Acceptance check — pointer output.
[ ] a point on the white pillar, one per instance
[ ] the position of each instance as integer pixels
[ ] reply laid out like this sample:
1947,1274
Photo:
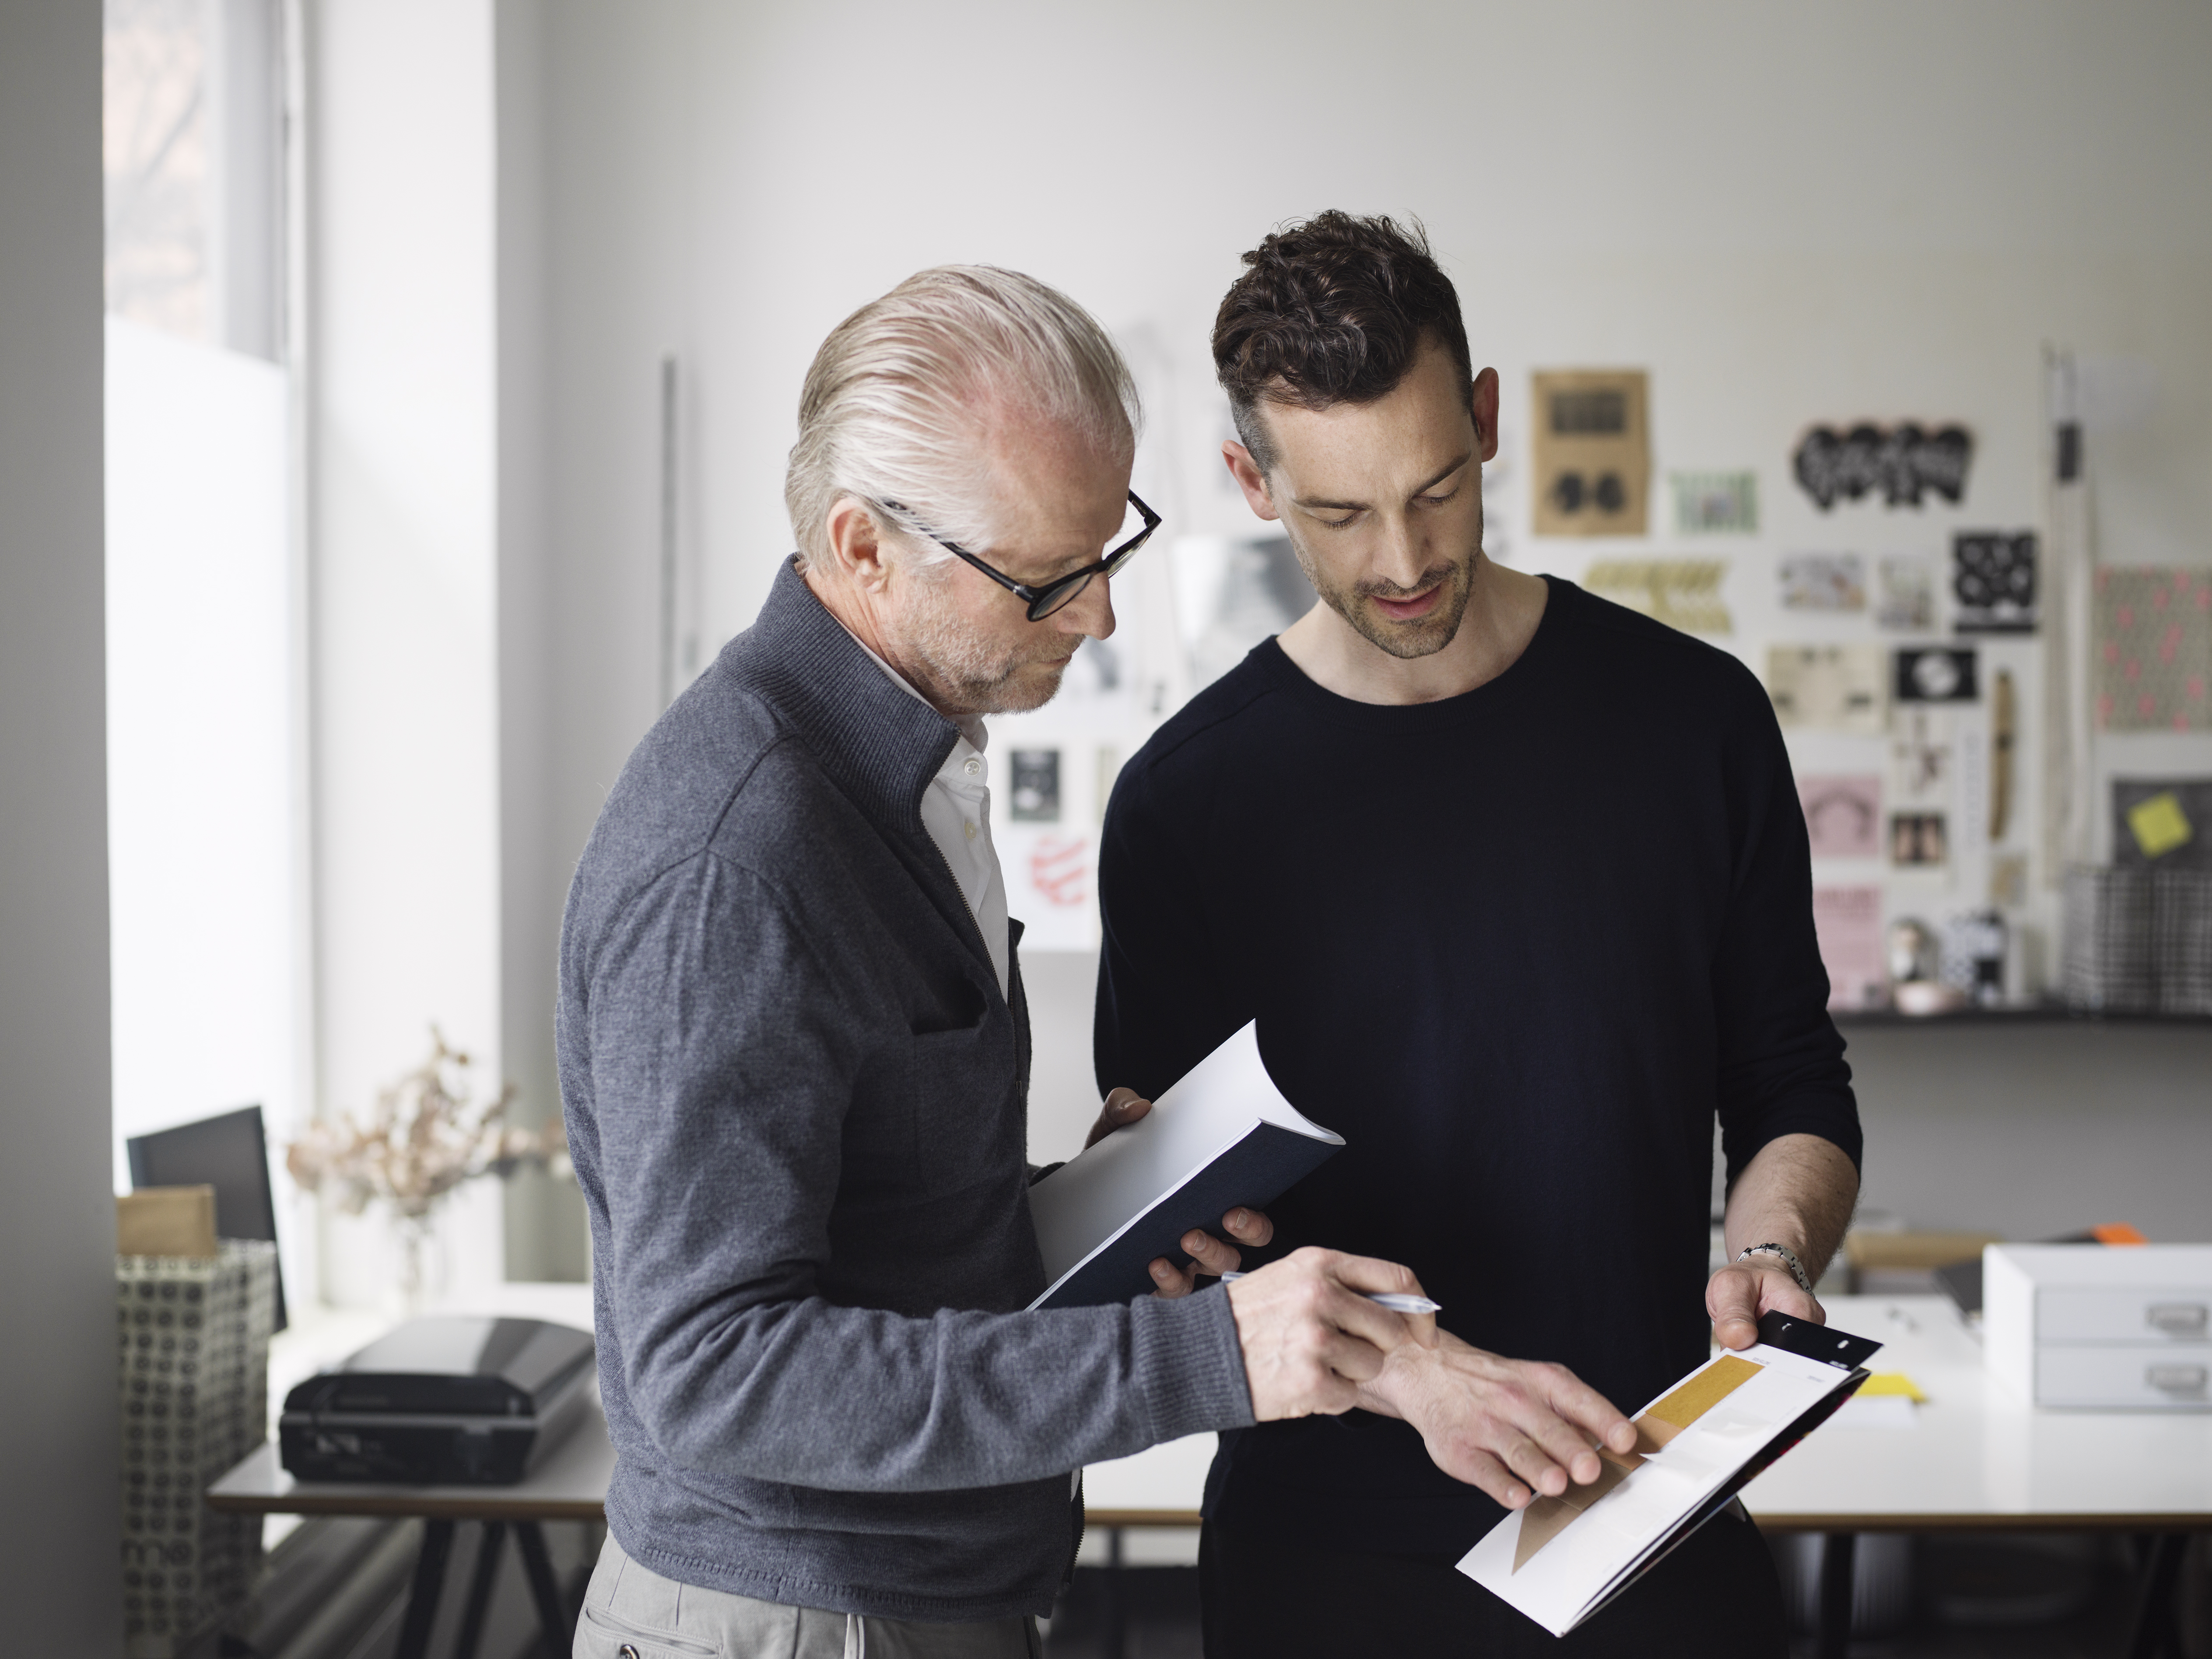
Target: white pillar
58,1565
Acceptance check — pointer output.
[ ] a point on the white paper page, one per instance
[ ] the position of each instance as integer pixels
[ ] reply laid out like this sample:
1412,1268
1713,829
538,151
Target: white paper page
1574,1566
1081,1205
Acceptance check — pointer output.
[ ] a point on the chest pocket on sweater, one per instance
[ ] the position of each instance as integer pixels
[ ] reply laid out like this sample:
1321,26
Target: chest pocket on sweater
967,1127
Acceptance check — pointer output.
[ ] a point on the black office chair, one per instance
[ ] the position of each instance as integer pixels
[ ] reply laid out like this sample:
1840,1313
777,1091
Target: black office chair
229,1153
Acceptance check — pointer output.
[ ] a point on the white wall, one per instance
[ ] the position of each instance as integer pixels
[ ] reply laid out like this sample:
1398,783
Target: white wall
404,574
59,1535
1787,215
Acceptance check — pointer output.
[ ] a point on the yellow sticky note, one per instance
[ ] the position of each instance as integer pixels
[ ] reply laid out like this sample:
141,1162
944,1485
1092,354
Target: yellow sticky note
2160,824
1891,1382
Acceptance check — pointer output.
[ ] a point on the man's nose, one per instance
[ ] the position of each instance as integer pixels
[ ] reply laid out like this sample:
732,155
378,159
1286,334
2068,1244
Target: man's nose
1400,558
1090,611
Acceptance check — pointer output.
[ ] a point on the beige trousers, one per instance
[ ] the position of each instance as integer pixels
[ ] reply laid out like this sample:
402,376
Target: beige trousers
631,1612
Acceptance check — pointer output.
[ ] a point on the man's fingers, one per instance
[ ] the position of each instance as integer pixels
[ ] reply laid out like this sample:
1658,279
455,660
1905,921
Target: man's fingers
1212,1255
1482,1470
1587,1410
1248,1226
1733,1301
1169,1281
1122,1107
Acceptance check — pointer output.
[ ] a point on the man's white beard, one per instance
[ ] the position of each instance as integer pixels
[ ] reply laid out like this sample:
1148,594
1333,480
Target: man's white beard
967,675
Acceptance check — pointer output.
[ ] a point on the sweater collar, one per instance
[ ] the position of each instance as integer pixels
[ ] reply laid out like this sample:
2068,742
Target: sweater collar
881,742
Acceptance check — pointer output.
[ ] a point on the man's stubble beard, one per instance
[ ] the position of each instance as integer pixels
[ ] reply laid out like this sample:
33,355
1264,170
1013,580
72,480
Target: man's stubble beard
1406,640
967,675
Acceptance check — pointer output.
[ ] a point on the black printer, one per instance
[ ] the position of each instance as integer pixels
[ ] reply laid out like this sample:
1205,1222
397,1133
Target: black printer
446,1402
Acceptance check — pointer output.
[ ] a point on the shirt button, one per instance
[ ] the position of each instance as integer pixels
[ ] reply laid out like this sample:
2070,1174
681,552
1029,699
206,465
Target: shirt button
970,827
974,767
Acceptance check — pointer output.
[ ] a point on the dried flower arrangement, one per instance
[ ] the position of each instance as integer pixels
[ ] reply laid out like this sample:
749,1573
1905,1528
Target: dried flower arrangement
428,1133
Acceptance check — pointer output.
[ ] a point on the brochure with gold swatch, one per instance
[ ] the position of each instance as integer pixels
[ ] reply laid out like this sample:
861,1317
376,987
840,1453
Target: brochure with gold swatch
1562,1558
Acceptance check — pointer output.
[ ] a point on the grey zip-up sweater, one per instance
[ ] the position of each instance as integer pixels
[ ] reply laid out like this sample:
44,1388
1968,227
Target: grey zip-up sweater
796,1100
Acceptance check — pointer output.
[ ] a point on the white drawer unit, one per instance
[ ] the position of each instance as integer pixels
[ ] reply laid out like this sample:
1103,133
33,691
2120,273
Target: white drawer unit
2100,1326
2123,1375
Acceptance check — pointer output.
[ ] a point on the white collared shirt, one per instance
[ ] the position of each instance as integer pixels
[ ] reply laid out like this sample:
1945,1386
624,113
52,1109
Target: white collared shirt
956,810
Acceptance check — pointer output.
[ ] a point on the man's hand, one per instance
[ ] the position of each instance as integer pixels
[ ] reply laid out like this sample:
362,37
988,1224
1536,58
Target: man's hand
1309,1336
1513,1427
1209,1255
1739,1293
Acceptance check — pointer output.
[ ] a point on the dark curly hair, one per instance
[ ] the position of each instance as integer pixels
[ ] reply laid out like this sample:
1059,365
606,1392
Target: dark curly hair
1328,310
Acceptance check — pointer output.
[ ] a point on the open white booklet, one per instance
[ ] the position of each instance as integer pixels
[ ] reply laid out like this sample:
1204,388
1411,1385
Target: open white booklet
1562,1558
1223,1136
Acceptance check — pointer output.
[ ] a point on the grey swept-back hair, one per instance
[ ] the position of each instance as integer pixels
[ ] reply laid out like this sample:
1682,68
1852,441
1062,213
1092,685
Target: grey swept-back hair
894,406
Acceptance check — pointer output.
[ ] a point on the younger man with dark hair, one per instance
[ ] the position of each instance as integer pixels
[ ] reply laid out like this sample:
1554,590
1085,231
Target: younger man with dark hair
1517,885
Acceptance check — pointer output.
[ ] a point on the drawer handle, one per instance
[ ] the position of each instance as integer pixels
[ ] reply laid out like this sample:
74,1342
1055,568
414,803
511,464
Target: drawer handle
2178,1318
2176,1379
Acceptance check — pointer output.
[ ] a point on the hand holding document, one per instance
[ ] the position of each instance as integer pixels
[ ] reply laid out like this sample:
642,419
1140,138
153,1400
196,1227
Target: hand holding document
1223,1136
1562,1558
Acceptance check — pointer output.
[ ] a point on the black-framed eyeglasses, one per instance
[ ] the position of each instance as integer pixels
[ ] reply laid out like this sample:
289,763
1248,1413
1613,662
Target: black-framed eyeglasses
1043,601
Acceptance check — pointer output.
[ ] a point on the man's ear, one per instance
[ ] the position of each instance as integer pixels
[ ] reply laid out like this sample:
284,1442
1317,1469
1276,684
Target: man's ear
855,547
1482,401
1249,479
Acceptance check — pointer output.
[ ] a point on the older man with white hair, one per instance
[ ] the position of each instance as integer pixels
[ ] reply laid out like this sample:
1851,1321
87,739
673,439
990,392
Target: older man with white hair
794,1052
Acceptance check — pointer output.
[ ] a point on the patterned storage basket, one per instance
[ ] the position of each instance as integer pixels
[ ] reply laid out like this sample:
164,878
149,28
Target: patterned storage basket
2108,961
2181,931
192,1337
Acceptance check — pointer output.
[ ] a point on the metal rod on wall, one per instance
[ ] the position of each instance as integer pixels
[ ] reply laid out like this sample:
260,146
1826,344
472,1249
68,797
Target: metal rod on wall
668,536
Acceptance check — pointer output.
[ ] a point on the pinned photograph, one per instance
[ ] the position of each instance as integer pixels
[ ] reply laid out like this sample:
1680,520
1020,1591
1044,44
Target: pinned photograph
1993,581
1940,673
1904,594
1036,797
1684,593
1919,840
1716,503
1823,581
1843,815
1832,688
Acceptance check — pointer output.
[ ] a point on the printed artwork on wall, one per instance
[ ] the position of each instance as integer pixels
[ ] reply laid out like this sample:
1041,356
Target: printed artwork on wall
1936,674
1823,581
1905,594
1834,687
1993,581
1847,921
1923,756
1684,593
1593,456
1843,815
1036,786
1904,465
1716,503
2152,639
1919,840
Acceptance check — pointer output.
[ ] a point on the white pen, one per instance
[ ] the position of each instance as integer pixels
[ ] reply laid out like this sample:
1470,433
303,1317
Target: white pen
1395,1301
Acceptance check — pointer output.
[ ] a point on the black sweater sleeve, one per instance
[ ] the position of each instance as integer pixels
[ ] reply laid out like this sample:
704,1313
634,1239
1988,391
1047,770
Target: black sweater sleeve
1781,1059
1167,996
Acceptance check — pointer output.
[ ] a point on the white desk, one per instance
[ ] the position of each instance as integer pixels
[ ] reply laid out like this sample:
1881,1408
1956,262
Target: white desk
1972,1457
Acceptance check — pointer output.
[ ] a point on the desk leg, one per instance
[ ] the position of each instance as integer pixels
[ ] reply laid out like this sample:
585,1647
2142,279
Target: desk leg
480,1584
1113,1617
423,1598
552,1619
2153,1627
1838,1558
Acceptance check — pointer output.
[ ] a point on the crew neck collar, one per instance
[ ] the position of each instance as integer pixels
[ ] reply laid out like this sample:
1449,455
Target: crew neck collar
1492,695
